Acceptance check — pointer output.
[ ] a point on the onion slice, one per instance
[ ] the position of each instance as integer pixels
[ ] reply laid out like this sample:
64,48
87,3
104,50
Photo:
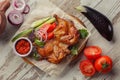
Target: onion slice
19,5
39,34
26,9
15,18
44,32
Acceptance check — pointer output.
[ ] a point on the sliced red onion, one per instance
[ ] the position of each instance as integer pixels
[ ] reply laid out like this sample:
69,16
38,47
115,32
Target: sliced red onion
19,5
26,9
44,33
39,33
15,18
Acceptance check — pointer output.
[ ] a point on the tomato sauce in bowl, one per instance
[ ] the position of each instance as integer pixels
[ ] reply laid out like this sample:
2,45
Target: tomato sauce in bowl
22,47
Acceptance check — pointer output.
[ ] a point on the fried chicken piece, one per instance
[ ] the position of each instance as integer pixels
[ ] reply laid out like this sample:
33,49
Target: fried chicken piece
60,51
61,28
54,51
69,32
72,37
46,50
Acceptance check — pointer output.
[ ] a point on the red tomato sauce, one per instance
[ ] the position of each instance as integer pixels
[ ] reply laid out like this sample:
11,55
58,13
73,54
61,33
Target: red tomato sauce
22,46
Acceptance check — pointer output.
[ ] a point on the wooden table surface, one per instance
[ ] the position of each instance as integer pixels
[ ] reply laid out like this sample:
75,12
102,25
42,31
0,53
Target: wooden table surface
13,67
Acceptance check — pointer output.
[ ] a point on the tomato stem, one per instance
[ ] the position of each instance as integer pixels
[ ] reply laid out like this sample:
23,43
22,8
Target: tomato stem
105,65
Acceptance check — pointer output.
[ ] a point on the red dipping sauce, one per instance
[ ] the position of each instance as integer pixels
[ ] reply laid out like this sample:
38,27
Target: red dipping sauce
22,46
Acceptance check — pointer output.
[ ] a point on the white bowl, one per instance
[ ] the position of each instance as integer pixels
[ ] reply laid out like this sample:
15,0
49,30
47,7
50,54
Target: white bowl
22,55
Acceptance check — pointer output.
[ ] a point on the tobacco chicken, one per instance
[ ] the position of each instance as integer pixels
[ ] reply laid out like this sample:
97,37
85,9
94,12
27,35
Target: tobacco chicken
57,47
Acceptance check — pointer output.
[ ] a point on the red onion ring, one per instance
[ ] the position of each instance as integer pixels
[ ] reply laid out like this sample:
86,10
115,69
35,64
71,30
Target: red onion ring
44,33
15,17
19,5
39,33
26,9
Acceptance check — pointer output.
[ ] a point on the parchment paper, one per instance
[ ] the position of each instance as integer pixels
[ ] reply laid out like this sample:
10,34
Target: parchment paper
43,9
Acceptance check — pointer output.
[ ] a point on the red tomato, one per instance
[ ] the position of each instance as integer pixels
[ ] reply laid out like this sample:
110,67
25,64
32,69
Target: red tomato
50,35
49,29
45,27
103,64
87,68
92,52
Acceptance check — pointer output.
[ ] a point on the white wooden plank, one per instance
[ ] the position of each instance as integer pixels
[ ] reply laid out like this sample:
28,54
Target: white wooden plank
13,66
20,72
31,75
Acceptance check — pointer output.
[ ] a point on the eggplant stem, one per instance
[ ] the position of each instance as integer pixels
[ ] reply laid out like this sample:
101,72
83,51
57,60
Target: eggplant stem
81,8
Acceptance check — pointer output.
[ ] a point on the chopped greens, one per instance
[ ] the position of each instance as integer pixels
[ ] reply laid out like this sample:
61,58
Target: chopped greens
74,50
39,43
83,33
36,56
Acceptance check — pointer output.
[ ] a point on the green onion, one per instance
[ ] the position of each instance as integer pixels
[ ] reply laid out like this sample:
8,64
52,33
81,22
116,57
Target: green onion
51,20
39,22
24,33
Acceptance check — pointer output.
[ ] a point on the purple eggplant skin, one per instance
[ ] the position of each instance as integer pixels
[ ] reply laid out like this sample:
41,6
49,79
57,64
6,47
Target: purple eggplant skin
100,22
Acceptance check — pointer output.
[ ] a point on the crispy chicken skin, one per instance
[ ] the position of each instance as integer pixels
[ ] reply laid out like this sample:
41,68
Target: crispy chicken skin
72,36
62,27
65,35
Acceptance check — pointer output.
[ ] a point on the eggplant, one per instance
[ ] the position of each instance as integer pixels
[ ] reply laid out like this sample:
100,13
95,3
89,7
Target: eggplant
99,21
